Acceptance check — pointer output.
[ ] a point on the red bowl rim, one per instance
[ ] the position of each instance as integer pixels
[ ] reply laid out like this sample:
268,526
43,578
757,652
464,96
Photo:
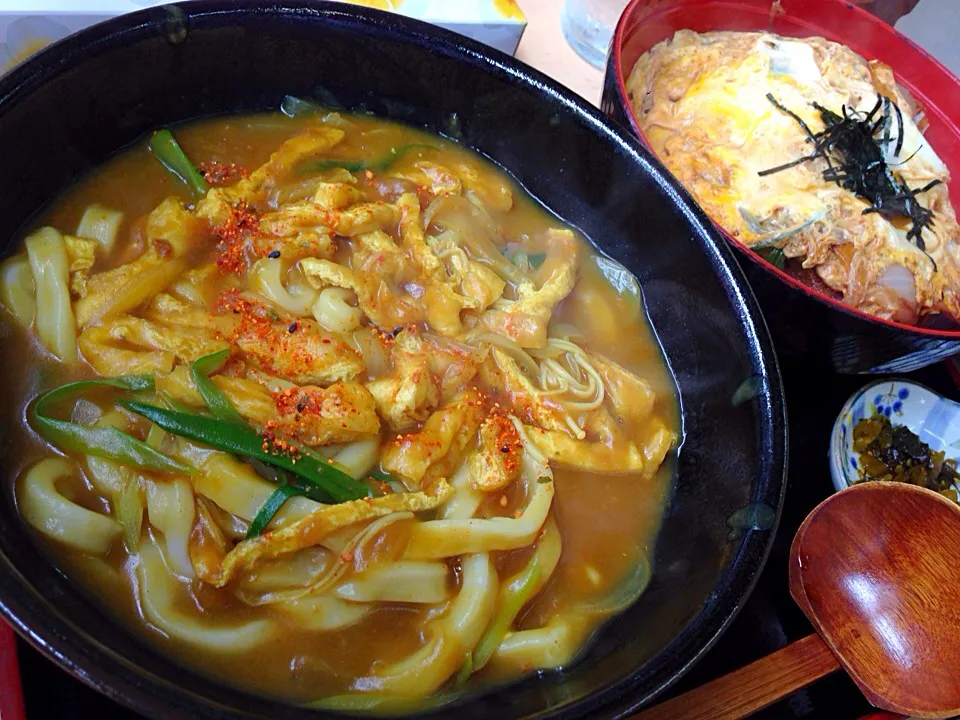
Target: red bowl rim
620,77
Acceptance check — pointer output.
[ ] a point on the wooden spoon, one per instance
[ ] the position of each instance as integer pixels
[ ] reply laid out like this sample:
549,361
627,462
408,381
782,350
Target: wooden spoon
876,570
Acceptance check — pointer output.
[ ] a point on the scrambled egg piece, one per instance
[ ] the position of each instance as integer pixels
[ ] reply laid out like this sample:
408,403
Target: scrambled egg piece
411,392
249,397
496,463
166,308
356,220
478,283
336,195
109,358
81,254
187,344
171,228
622,456
702,101
218,204
313,358
299,351
125,287
525,320
170,231
453,364
375,297
442,301
437,449
342,412
312,529
632,397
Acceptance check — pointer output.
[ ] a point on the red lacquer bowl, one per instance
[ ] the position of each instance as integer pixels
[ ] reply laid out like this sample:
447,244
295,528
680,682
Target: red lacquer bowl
803,321
11,699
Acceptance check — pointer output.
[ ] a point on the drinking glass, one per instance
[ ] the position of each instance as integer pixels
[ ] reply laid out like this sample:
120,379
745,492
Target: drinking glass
588,26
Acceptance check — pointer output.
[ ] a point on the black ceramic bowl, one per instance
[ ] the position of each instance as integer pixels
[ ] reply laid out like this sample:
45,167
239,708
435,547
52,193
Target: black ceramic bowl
69,108
827,334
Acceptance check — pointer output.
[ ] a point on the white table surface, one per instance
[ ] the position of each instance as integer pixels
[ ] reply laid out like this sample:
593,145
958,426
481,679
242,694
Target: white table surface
544,47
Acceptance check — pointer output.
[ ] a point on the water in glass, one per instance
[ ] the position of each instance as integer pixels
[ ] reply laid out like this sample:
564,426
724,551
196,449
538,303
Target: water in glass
588,26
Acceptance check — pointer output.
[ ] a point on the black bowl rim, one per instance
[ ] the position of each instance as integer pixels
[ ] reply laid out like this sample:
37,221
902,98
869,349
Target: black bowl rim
615,61
109,673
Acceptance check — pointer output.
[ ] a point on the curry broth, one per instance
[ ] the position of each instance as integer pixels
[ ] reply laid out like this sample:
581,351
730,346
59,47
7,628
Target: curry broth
608,523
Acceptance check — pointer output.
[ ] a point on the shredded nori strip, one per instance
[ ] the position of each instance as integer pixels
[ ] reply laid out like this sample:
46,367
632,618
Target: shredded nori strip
852,145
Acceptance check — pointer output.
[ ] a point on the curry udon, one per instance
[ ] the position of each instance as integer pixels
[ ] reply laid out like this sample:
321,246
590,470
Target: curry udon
365,420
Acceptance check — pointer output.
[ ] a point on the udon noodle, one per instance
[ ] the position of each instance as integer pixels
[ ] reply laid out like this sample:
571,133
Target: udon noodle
343,417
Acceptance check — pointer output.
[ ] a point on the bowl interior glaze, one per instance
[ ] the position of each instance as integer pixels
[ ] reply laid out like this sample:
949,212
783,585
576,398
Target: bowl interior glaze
73,105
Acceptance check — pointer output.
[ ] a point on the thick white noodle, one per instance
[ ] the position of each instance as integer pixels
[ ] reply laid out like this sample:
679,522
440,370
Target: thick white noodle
17,289
101,224
450,537
158,589
267,278
54,320
171,510
44,507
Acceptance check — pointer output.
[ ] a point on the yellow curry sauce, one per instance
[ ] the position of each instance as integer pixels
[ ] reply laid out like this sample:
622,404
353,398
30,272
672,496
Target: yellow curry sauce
606,522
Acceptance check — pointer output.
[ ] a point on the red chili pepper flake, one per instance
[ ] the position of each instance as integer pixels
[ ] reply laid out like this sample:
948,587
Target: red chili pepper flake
254,318
220,173
307,402
425,196
163,247
276,445
232,238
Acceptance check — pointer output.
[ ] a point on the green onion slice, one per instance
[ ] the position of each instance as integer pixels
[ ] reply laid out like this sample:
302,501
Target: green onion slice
320,480
105,442
520,590
213,396
270,508
166,149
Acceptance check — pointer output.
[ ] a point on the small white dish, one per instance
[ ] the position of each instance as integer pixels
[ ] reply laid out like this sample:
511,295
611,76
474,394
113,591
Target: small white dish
934,418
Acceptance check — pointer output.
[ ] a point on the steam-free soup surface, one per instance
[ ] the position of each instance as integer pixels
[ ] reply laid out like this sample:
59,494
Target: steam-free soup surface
496,413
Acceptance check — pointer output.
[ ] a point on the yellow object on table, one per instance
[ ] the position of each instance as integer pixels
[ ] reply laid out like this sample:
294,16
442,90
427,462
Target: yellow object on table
26,26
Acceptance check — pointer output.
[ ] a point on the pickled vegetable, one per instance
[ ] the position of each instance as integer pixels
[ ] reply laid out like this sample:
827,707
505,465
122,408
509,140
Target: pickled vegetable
895,453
